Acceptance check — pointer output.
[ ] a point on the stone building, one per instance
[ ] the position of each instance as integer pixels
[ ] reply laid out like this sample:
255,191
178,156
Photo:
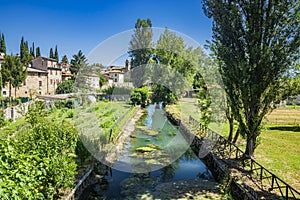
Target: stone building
53,68
34,84
118,74
43,76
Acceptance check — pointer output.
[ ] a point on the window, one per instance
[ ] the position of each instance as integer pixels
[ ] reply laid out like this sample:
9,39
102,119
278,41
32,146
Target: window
56,72
39,74
51,81
50,71
40,83
24,82
116,75
4,93
25,92
116,80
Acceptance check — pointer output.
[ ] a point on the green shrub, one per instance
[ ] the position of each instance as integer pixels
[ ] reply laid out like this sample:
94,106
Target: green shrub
39,163
70,114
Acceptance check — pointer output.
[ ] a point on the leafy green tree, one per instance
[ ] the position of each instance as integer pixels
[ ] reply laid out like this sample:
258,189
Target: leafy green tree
102,80
2,44
177,62
255,43
13,72
139,96
56,54
65,87
163,94
51,53
64,59
140,44
77,62
38,52
135,98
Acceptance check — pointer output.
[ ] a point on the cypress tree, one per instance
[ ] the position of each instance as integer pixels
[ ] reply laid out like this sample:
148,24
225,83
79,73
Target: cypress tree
56,54
2,44
32,49
65,59
38,52
26,47
51,53
22,47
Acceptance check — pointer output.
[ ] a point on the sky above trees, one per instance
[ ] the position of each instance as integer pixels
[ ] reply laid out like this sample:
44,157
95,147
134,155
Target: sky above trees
74,25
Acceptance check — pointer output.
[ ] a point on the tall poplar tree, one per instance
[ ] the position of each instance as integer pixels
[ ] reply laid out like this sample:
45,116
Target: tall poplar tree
255,42
140,44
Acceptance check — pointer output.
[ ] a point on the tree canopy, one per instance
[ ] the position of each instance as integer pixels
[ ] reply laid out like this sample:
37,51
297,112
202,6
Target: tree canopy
65,59
65,87
51,55
56,54
2,44
255,43
77,61
24,52
13,72
141,43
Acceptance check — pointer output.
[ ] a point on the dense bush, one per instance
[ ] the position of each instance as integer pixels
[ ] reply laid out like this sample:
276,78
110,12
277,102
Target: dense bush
163,94
139,96
66,87
39,163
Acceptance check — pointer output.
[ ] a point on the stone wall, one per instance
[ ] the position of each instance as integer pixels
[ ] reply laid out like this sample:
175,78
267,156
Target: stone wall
15,112
220,173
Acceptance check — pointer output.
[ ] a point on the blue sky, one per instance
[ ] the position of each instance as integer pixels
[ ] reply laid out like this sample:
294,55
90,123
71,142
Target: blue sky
82,25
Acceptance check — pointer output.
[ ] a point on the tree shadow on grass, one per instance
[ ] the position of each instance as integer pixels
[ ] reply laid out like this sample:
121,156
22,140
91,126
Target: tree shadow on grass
286,128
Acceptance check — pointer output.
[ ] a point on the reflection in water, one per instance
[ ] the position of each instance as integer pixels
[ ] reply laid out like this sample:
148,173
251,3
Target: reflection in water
154,141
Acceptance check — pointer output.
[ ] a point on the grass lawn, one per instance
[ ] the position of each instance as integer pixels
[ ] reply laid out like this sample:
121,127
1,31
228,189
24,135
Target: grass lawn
279,152
279,148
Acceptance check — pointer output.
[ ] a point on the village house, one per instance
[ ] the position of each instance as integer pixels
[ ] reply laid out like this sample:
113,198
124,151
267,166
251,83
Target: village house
117,75
53,68
43,76
93,82
66,72
34,84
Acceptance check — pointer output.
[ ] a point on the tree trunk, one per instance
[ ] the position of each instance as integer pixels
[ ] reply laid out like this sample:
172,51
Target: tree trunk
230,119
251,144
237,133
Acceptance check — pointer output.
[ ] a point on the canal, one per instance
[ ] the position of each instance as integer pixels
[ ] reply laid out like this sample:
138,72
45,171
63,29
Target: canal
154,156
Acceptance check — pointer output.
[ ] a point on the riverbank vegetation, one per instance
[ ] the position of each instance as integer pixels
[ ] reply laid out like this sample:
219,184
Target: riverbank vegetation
42,154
